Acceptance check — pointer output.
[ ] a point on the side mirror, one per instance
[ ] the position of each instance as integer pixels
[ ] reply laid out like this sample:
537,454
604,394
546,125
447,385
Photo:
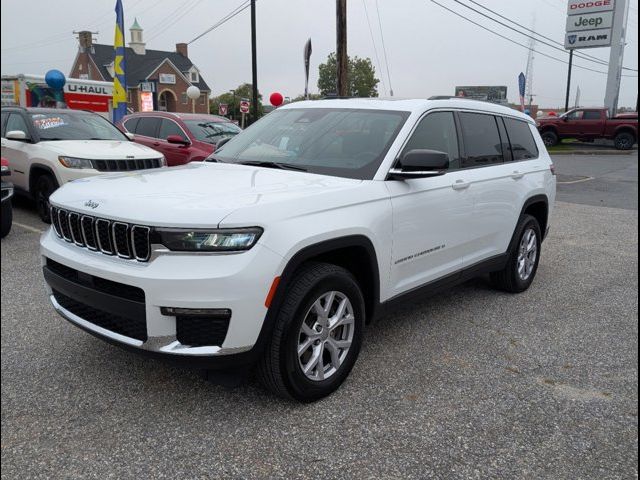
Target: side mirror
420,164
177,140
17,135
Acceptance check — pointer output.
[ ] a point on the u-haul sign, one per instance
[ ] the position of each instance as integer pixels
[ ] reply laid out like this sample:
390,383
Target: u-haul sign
590,21
577,7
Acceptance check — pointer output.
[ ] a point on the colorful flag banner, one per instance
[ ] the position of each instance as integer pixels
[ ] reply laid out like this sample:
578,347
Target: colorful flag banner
119,67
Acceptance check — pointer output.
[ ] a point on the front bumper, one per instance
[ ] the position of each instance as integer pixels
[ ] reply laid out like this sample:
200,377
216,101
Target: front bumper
237,282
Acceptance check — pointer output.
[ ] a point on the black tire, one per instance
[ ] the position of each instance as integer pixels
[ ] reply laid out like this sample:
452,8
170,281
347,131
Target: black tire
550,138
509,279
624,141
44,186
279,369
7,218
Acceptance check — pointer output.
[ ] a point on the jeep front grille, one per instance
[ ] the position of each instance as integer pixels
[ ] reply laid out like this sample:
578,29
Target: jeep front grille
103,235
126,165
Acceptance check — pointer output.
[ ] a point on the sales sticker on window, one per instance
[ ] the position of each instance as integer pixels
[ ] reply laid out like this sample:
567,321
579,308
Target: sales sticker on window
48,122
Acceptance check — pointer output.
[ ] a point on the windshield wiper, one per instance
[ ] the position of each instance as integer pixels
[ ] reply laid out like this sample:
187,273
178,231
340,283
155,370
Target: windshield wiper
279,165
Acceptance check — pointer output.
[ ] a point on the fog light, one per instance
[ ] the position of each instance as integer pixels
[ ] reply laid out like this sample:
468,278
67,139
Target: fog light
196,312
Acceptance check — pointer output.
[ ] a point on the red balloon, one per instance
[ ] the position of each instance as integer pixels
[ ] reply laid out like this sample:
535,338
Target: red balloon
276,99
553,114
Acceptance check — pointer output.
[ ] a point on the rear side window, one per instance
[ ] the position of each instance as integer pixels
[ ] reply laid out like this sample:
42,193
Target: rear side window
148,126
592,115
437,131
131,124
481,140
523,144
169,127
5,115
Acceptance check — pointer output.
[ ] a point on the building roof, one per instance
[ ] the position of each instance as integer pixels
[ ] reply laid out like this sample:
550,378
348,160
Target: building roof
139,67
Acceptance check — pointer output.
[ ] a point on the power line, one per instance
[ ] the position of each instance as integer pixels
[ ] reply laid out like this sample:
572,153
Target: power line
373,41
518,43
561,49
384,49
239,9
175,15
534,32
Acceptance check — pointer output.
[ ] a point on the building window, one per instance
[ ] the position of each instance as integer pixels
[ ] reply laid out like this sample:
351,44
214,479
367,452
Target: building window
203,99
185,99
195,78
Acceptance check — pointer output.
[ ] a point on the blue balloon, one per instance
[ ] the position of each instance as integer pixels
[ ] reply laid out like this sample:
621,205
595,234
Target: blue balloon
527,112
55,79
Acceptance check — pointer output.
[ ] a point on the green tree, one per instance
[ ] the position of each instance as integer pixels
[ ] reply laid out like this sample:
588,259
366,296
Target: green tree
244,91
362,77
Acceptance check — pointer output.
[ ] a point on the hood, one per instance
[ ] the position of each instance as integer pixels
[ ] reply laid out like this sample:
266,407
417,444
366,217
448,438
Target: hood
100,149
194,195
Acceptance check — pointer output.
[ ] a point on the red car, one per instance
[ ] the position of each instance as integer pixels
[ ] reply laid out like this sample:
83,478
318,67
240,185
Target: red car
181,137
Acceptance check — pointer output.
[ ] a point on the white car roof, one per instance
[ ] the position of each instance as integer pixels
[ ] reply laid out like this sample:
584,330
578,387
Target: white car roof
410,105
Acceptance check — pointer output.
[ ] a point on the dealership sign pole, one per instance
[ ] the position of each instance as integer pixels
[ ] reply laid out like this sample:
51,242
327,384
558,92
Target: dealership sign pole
612,95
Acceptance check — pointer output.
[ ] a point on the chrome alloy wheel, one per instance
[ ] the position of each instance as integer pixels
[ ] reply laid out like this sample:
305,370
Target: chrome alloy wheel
527,254
325,336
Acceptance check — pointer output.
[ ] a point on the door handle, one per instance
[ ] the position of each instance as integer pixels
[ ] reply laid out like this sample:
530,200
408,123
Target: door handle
461,185
516,175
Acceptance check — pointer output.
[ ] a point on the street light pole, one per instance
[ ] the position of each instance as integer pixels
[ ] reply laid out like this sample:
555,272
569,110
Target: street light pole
341,50
254,62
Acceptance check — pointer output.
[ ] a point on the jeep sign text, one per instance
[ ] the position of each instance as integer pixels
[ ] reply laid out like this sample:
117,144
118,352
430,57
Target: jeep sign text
591,21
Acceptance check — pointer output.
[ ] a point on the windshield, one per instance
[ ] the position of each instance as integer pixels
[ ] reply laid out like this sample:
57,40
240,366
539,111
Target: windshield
341,142
212,132
65,125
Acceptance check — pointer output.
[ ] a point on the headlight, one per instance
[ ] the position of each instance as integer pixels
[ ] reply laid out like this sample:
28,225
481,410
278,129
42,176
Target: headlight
163,161
224,240
71,162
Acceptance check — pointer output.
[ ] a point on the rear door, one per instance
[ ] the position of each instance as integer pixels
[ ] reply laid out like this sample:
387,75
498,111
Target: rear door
494,185
592,124
430,215
146,132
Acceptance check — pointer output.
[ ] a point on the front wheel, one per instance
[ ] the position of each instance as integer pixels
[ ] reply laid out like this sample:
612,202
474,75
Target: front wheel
624,141
550,138
317,335
524,257
45,185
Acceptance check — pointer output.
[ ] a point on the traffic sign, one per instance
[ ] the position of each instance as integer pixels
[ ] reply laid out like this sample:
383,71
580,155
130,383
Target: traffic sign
245,106
223,109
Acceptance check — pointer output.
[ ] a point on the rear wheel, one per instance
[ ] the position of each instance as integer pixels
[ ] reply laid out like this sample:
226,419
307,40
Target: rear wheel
7,218
44,186
317,336
624,141
524,257
550,138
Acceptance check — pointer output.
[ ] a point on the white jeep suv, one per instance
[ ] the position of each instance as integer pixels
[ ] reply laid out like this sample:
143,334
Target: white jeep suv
49,147
299,232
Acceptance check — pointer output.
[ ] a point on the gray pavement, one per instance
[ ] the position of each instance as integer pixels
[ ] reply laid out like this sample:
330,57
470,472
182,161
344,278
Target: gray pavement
599,180
472,383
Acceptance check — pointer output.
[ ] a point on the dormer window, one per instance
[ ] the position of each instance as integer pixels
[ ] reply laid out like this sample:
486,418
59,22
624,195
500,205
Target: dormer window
111,69
194,76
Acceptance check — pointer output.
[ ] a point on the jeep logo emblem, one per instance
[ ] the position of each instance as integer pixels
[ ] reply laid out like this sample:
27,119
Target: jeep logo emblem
91,204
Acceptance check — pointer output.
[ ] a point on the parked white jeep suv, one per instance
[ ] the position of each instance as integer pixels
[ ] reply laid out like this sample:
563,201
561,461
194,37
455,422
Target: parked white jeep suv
49,147
279,249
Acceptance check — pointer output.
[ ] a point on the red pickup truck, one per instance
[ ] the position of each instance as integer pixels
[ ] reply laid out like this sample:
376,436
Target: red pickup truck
587,124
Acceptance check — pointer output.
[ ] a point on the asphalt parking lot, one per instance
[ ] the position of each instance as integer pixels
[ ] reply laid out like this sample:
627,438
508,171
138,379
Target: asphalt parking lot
472,383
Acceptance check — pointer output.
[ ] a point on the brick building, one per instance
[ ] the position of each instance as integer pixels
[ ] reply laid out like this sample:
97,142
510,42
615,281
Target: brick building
167,74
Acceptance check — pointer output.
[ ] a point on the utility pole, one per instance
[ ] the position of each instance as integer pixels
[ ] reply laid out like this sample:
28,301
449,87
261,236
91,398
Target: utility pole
341,50
619,34
566,102
254,61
